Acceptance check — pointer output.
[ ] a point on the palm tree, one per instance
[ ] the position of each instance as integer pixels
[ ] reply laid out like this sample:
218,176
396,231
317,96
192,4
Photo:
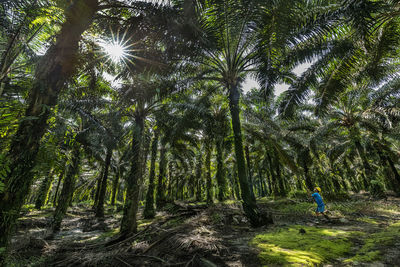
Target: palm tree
53,70
250,37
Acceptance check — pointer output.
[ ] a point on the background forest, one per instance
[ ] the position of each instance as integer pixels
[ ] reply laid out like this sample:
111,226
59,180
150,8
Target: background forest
128,106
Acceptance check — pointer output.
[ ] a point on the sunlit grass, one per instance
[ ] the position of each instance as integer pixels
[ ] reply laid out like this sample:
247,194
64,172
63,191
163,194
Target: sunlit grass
289,247
375,243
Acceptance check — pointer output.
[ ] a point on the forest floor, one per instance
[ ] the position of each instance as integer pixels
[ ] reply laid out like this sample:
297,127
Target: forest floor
361,232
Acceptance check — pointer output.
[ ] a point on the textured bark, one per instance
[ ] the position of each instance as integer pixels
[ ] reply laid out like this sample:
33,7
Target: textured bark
115,187
249,171
235,183
307,177
68,189
282,191
98,187
273,181
56,66
133,179
220,175
103,185
249,204
149,211
57,188
44,190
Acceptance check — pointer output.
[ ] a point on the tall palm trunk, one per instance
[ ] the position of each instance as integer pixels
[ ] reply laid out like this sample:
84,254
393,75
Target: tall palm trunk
115,187
160,196
208,146
221,180
44,190
149,211
273,181
282,191
199,180
129,223
249,171
249,204
309,183
68,189
98,187
56,66
103,185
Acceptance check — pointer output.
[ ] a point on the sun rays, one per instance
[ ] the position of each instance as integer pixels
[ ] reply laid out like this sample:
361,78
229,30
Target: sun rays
119,49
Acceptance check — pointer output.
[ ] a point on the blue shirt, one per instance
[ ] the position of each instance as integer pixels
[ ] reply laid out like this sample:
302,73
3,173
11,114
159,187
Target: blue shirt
317,197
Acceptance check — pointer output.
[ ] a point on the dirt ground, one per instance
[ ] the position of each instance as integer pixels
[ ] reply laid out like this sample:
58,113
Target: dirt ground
360,232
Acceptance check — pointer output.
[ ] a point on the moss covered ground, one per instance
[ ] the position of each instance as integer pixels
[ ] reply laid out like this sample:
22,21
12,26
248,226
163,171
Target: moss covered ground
360,232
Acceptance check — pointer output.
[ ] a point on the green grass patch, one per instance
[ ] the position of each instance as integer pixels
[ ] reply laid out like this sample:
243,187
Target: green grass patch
376,243
286,246
368,220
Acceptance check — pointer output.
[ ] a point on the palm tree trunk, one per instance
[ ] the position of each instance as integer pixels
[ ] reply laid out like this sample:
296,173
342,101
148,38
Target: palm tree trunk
385,158
160,196
367,167
307,177
115,187
56,66
199,180
129,223
68,189
98,187
221,180
249,204
170,179
209,198
57,188
149,211
235,182
103,185
249,171
273,181
44,190
282,191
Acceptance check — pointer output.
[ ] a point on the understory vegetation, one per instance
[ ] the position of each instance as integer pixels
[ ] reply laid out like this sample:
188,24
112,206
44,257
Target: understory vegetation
193,132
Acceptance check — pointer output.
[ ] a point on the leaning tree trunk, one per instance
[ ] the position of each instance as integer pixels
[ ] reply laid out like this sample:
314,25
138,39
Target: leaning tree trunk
220,175
103,185
44,190
57,188
209,198
68,189
56,66
160,195
149,211
249,204
133,179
